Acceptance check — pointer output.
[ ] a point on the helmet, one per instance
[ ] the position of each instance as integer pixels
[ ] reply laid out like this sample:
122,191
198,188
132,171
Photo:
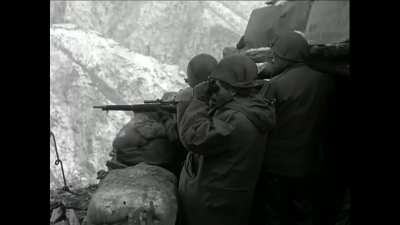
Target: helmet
199,68
237,70
291,46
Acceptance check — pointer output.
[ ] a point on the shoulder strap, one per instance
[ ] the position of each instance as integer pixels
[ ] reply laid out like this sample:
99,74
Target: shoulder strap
265,91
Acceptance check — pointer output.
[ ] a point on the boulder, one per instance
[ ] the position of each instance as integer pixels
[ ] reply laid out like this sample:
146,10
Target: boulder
328,22
125,194
266,22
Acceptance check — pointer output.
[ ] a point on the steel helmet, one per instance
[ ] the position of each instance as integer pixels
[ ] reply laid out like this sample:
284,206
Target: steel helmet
199,68
291,46
237,70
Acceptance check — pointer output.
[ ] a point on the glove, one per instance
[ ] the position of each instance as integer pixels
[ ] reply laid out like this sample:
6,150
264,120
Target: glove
200,91
184,95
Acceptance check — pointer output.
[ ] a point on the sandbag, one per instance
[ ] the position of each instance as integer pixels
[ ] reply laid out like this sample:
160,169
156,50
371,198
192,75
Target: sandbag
124,194
137,131
328,22
144,139
158,151
128,136
259,55
331,59
266,22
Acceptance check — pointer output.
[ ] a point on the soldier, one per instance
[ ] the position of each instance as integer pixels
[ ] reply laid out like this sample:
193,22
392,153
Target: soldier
293,157
198,70
224,129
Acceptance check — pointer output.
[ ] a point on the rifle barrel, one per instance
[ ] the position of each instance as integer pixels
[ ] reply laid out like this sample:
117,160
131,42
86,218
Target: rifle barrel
151,101
150,107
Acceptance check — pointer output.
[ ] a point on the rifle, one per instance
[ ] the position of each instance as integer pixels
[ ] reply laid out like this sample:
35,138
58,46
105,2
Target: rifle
148,106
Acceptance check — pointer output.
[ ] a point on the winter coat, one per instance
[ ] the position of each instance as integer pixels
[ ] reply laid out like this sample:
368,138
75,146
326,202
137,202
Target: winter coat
225,156
183,98
303,98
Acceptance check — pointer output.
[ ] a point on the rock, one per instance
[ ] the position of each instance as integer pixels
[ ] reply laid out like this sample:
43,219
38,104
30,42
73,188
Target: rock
72,218
132,193
57,214
266,22
67,201
328,22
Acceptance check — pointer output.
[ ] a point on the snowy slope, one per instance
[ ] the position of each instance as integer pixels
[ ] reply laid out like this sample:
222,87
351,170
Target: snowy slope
170,31
85,70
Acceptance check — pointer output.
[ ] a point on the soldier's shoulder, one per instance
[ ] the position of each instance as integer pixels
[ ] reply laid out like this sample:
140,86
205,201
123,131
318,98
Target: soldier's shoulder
308,69
300,70
184,94
228,115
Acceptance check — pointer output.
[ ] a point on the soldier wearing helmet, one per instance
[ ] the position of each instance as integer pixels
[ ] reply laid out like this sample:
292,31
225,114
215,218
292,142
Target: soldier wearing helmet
224,128
293,159
285,50
198,70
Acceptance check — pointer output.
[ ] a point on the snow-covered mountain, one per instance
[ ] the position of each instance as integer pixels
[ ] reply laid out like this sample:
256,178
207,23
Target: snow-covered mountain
85,70
170,31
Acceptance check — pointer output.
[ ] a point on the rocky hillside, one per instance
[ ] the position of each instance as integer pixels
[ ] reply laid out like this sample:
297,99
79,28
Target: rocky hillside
87,69
171,32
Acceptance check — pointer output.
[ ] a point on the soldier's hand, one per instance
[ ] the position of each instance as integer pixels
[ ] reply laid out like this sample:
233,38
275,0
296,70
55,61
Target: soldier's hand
184,95
200,91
